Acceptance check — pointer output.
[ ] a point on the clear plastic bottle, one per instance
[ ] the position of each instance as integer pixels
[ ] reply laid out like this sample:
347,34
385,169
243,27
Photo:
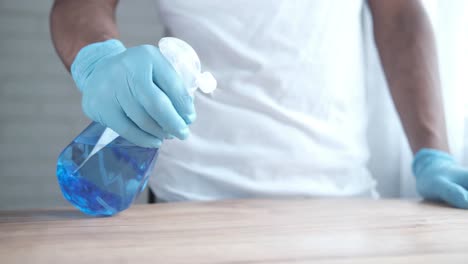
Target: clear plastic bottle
100,172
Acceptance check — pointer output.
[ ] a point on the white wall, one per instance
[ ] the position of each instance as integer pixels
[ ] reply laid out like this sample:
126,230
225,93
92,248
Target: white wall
40,109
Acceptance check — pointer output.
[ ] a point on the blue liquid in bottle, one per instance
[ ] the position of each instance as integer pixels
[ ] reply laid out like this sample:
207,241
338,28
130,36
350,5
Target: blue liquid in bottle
103,180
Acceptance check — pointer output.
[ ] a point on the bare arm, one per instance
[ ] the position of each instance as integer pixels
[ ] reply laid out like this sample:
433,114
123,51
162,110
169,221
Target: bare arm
74,24
406,46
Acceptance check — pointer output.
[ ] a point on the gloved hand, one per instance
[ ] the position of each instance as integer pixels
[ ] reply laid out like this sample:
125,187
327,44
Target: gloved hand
439,177
134,91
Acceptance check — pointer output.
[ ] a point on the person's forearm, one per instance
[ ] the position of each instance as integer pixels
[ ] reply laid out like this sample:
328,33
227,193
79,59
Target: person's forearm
74,24
406,46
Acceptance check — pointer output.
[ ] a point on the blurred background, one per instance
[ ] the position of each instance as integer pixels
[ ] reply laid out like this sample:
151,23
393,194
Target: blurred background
40,110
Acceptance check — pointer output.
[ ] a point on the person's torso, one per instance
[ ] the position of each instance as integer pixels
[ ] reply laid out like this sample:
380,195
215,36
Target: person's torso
288,116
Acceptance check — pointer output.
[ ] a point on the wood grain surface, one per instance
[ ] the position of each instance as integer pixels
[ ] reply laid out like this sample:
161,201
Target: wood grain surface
241,232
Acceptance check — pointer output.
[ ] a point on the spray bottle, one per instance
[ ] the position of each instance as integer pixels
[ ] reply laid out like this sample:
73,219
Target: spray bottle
100,172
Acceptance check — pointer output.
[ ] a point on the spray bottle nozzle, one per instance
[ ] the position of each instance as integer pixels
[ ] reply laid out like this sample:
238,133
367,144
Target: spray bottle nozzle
206,82
186,63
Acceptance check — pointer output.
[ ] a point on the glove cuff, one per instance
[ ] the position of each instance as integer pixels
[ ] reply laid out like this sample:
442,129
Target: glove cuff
426,157
89,55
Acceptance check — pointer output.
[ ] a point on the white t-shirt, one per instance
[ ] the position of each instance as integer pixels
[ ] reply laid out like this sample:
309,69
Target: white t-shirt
288,118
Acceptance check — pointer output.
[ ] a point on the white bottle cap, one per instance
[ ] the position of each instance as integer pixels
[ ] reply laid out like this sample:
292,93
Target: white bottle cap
186,63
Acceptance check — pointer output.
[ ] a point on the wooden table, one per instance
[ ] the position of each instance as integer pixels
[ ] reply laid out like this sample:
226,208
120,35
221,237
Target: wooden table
241,232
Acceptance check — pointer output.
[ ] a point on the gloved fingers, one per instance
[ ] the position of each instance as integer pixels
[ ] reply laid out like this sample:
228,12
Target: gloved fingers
160,108
117,120
452,193
461,177
142,119
166,78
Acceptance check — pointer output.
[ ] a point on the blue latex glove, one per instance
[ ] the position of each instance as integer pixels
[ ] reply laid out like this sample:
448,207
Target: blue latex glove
440,178
134,91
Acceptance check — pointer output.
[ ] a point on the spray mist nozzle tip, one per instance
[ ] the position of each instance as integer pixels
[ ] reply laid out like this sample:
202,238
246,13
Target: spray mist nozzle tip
206,82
